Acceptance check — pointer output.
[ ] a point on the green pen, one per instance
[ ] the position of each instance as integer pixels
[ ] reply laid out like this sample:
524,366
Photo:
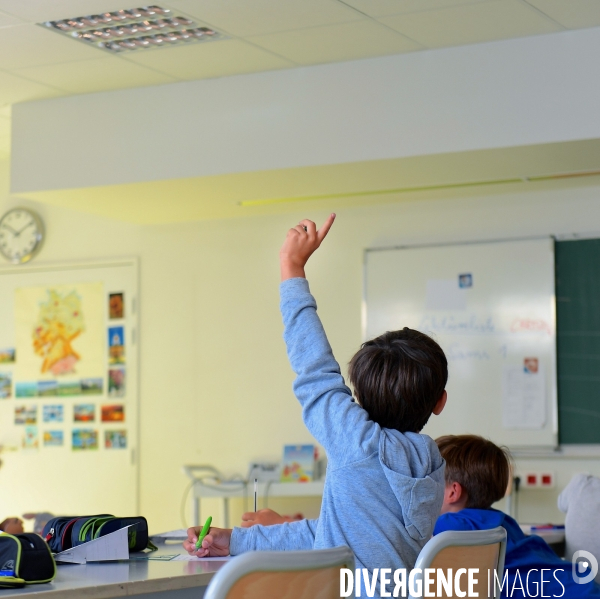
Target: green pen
203,532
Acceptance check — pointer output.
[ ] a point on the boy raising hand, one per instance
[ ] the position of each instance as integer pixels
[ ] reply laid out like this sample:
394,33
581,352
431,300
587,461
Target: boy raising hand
385,481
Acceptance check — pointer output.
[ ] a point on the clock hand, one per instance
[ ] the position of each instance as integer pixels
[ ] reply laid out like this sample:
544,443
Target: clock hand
21,230
8,227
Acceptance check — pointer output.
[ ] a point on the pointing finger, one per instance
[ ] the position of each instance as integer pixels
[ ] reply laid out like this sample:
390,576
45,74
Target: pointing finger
322,232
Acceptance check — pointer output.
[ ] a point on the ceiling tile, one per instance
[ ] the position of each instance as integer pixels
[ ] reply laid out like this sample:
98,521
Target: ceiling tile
381,8
101,74
209,59
30,45
36,11
573,14
244,18
336,42
471,23
16,89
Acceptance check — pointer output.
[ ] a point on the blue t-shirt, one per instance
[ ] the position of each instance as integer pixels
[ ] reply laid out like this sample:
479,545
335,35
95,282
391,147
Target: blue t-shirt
524,554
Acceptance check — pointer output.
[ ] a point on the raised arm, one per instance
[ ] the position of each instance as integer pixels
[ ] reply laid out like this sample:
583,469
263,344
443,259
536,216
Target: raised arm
329,412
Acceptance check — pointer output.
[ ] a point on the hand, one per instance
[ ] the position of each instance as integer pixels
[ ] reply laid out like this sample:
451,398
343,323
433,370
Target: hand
215,543
266,517
300,243
12,526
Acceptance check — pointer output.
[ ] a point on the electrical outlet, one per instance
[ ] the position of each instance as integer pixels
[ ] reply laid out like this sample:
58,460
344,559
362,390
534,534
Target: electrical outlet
531,480
547,480
538,480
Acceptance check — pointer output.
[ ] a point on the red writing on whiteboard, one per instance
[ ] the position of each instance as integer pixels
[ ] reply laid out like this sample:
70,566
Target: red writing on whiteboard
530,325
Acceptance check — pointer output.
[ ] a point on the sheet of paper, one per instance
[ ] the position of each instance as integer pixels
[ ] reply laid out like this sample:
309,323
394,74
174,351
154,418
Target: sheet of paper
445,294
114,546
172,534
523,398
186,557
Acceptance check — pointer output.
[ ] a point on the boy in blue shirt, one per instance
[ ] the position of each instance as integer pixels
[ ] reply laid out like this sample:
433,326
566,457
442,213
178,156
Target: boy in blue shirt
477,474
385,481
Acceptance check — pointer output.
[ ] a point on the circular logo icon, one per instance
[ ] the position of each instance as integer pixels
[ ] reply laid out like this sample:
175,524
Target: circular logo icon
582,562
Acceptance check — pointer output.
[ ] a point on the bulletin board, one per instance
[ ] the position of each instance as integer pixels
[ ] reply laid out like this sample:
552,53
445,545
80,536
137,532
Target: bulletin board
69,388
491,307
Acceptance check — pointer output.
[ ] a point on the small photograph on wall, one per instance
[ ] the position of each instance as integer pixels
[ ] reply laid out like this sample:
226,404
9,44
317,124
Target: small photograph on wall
7,355
26,389
53,438
115,439
5,385
30,437
84,438
84,412
53,413
26,414
91,386
116,345
47,388
113,413
67,388
116,382
116,306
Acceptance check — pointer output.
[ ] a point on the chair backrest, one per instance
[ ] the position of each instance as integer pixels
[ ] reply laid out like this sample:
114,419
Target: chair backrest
282,575
482,549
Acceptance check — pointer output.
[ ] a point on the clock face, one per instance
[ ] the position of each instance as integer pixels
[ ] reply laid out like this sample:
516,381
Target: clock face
21,233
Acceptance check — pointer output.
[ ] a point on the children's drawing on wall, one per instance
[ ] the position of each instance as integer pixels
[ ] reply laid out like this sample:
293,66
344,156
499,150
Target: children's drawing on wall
113,413
116,382
85,412
26,414
59,332
53,438
84,438
5,385
115,439
30,437
7,355
53,413
116,306
116,345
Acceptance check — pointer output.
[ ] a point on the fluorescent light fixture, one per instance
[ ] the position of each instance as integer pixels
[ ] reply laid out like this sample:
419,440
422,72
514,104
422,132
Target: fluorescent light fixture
133,28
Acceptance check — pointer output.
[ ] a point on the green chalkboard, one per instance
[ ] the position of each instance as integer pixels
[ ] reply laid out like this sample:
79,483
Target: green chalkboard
578,340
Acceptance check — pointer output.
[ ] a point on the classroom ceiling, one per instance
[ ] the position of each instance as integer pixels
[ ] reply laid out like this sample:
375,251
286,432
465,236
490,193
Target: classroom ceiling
258,35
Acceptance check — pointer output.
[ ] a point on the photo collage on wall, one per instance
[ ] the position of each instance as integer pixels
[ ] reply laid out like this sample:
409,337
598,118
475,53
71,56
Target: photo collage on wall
67,371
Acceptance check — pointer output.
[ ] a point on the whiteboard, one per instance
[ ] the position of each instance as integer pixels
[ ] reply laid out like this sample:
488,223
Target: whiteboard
491,307
45,475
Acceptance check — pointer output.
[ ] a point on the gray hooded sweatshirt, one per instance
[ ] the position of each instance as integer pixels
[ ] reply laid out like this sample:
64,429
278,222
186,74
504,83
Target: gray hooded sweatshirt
384,489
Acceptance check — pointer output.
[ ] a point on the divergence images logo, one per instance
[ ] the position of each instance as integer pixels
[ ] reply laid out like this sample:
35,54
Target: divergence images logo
582,560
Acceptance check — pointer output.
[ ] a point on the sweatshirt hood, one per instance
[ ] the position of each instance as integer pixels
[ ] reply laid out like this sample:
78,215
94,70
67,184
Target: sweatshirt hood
414,469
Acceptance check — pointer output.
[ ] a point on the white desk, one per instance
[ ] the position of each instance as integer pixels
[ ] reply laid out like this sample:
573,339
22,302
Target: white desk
228,490
141,579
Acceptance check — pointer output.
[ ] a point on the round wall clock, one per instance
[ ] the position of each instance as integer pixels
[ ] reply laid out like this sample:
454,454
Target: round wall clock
21,235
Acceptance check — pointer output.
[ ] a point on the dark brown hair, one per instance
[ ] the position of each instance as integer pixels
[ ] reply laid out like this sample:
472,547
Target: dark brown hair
478,465
398,378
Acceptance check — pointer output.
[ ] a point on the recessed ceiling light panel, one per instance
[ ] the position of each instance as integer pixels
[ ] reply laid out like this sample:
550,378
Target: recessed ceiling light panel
133,28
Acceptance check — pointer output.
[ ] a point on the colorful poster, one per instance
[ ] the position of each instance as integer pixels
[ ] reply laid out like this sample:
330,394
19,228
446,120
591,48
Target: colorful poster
115,439
113,413
84,438
26,389
91,386
7,355
47,388
53,413
30,437
116,382
53,438
116,306
59,332
26,414
116,345
5,385
85,412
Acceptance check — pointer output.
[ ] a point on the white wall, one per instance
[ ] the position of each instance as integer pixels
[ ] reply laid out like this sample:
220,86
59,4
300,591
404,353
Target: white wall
517,92
215,383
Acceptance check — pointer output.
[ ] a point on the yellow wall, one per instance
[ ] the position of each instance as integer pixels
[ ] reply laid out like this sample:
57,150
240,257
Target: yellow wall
215,383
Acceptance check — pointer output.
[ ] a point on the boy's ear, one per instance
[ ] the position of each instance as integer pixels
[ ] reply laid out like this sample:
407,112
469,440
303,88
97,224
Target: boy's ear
439,406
